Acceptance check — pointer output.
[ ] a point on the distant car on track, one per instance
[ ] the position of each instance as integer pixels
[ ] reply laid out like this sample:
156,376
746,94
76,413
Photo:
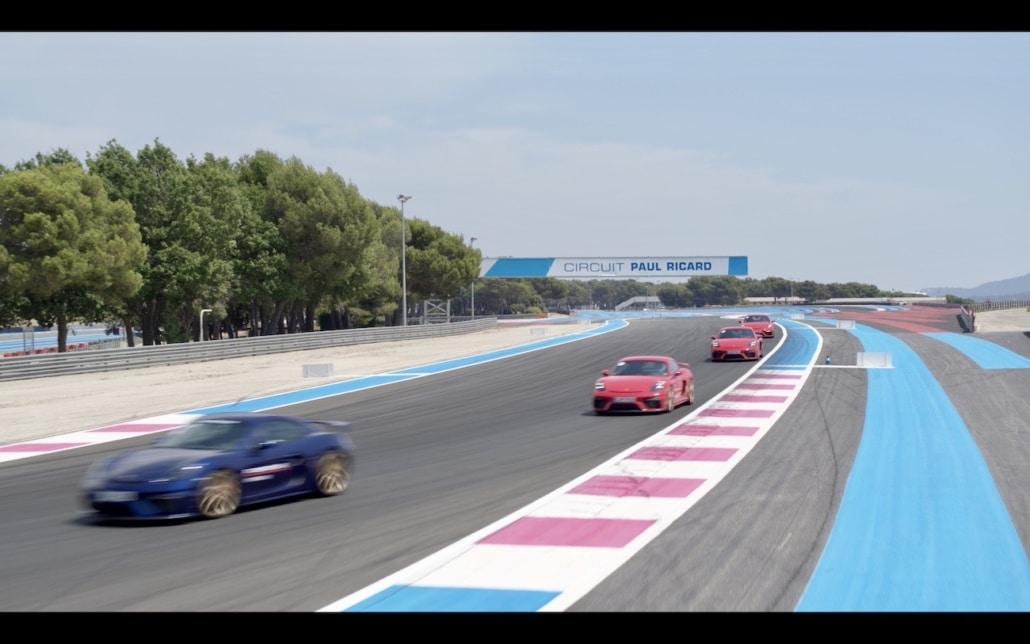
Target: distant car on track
736,343
644,383
220,462
762,324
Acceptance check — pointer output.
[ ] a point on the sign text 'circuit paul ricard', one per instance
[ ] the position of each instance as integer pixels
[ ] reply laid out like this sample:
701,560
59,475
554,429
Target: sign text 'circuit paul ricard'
618,267
635,267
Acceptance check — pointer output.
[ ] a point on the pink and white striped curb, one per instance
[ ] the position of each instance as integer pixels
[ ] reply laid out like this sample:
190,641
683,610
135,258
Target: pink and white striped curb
85,438
570,540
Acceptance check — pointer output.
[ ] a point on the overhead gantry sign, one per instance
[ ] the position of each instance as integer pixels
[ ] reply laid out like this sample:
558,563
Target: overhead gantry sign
618,267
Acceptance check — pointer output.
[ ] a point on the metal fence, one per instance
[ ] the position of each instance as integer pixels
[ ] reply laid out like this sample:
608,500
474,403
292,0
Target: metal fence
967,312
118,359
980,307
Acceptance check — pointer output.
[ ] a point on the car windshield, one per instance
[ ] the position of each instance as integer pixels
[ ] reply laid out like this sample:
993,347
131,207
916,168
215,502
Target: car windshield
640,368
736,333
756,318
204,434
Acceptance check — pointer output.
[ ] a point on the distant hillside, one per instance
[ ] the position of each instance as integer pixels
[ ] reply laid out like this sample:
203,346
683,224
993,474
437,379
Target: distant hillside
1015,288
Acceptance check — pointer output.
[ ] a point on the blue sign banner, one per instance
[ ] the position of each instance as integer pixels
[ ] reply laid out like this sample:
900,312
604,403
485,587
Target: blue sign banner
612,268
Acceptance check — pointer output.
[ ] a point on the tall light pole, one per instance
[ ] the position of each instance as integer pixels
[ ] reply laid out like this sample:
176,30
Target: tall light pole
472,240
404,268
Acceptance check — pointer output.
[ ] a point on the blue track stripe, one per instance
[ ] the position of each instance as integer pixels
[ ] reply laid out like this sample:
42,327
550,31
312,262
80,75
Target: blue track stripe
429,599
986,354
803,346
379,380
921,526
305,395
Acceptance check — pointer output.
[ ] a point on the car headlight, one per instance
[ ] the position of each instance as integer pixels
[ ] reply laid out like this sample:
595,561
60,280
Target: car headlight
715,344
599,385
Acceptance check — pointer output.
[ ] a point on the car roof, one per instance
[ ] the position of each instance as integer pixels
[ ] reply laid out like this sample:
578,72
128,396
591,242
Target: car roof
633,358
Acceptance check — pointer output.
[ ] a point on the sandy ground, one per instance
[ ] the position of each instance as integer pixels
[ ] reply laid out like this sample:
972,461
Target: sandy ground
31,409
36,408
1007,320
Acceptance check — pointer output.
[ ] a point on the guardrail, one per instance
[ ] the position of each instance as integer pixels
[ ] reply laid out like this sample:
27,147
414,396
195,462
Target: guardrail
60,364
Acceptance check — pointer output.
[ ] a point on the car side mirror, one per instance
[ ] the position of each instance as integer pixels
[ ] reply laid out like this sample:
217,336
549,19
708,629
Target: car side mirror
605,372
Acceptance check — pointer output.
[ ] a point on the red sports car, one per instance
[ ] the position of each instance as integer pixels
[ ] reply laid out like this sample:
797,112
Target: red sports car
644,383
760,322
736,343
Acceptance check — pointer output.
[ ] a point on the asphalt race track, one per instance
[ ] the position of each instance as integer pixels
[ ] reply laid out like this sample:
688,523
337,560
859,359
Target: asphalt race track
443,456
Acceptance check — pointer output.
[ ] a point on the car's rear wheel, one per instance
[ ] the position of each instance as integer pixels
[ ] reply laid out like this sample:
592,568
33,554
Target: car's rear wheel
332,474
219,495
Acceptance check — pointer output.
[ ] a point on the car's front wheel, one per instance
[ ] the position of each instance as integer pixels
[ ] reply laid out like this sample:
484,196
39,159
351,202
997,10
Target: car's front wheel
670,402
219,495
332,474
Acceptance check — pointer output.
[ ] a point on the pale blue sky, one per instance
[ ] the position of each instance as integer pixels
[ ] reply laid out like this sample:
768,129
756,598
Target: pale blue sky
897,159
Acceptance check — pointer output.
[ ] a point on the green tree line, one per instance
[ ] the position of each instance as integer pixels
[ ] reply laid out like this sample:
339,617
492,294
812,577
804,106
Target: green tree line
549,294
268,245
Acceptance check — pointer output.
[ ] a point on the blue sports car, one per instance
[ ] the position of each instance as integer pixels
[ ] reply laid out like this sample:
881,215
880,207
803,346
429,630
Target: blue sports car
220,462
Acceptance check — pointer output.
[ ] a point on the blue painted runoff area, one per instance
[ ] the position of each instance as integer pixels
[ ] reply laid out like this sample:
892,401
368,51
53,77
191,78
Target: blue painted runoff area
413,599
29,342
984,353
367,382
801,344
921,525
